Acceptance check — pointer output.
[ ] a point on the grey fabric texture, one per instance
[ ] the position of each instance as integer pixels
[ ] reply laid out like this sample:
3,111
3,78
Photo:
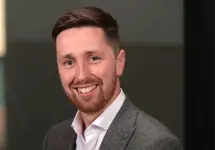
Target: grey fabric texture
131,129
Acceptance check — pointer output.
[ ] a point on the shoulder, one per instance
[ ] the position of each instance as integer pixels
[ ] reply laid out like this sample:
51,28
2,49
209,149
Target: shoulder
147,124
59,134
62,126
151,126
152,134
61,129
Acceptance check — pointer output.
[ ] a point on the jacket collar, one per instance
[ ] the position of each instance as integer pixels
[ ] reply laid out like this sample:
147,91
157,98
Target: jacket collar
121,129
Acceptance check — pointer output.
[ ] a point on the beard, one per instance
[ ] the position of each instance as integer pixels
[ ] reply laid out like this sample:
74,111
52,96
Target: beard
101,97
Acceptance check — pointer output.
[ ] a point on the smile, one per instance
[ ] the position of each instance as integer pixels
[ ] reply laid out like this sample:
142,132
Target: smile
86,89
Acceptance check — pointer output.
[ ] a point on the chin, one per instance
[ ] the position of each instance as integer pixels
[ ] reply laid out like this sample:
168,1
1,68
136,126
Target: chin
91,108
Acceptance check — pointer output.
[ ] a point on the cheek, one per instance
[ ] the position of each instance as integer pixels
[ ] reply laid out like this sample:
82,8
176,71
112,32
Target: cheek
66,76
105,72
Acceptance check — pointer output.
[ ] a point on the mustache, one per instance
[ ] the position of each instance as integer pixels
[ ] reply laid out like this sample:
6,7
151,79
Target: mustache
86,81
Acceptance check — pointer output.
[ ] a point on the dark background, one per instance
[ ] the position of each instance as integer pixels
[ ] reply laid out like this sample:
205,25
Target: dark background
199,74
152,35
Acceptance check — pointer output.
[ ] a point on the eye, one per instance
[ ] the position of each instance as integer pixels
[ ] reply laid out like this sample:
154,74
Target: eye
68,63
94,58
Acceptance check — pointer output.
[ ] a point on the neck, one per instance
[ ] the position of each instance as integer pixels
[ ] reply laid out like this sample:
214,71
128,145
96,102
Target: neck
88,118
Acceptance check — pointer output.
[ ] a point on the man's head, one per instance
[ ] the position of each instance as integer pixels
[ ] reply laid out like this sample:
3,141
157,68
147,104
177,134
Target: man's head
89,59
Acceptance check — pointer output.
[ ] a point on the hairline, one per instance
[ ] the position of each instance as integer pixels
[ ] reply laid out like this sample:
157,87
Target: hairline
115,45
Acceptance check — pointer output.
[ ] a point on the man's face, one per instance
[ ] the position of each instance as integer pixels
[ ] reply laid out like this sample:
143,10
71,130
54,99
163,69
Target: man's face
89,70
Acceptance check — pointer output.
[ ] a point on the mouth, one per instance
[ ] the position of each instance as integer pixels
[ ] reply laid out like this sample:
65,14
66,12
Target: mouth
86,89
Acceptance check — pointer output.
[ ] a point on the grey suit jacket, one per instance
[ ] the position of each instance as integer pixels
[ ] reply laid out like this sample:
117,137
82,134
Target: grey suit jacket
131,129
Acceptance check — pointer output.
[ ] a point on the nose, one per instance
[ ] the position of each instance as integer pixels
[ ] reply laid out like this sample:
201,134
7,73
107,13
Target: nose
82,71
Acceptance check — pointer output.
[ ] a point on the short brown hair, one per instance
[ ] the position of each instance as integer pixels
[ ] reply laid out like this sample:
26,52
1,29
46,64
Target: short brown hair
89,16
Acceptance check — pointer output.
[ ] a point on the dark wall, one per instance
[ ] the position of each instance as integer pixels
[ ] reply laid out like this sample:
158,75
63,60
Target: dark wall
140,21
35,99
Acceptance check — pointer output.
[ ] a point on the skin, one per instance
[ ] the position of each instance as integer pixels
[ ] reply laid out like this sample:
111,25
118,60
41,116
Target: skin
85,58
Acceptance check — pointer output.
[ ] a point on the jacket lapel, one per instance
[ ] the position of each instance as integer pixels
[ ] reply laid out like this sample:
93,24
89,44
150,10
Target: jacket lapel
121,129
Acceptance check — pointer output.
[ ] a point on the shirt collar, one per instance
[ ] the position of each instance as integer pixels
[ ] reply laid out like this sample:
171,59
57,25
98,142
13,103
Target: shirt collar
77,123
105,119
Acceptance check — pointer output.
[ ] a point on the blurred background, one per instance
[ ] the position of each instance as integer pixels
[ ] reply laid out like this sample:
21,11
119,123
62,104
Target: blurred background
151,32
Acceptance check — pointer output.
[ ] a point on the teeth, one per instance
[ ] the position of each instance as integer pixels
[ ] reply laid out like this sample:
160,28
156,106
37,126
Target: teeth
87,89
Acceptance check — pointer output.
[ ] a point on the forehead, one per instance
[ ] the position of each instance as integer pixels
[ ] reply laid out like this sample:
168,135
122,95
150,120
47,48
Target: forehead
81,39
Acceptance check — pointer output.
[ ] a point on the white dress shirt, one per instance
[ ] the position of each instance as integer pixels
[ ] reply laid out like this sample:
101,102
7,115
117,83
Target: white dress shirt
92,137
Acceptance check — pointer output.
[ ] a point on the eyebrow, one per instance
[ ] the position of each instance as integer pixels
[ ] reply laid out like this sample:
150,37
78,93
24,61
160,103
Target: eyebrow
88,53
92,52
68,56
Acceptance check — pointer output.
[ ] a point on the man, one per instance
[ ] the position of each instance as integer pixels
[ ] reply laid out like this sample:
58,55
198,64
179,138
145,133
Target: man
90,63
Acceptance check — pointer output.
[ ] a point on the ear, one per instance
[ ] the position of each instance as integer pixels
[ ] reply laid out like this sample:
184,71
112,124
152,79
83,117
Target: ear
120,62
